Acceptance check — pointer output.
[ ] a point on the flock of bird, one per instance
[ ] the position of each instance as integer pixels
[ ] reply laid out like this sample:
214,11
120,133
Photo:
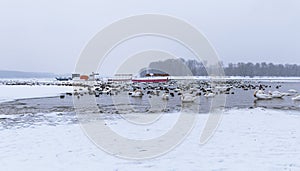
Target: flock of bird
261,95
188,91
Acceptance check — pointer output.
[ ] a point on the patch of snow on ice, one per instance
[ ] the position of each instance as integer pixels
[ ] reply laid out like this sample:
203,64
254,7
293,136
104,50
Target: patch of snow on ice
8,93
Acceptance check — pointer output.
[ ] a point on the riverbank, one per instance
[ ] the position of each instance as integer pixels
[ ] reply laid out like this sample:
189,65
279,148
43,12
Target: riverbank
246,139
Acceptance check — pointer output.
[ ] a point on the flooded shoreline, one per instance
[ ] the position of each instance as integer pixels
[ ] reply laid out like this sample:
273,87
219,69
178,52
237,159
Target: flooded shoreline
237,96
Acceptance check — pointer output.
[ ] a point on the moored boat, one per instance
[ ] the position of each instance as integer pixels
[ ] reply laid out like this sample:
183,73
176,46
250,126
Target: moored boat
151,79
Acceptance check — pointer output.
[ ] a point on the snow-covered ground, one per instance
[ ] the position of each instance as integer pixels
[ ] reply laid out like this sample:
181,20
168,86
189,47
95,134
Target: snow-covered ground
8,93
246,139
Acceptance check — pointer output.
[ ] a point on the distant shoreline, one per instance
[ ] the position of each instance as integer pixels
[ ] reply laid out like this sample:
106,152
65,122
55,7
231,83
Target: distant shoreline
5,74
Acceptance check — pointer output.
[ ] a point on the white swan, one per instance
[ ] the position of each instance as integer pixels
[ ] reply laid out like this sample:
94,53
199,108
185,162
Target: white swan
292,91
287,94
165,96
137,93
177,90
297,98
276,94
187,98
209,95
261,95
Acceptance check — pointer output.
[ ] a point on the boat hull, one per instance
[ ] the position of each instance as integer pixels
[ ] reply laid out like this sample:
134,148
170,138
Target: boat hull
150,80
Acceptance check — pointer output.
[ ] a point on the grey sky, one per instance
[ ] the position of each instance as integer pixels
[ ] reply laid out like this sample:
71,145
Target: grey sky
48,35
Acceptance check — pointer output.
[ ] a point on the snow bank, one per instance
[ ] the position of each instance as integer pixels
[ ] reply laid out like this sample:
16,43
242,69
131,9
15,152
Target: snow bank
254,139
8,93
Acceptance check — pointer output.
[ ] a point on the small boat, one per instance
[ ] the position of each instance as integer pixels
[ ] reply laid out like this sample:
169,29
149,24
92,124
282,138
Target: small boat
150,79
261,95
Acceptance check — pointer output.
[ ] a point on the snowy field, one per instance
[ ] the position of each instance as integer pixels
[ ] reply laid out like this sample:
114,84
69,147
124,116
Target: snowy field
246,139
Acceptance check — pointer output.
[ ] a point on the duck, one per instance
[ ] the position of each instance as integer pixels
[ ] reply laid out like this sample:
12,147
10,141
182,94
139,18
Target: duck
261,95
62,96
187,98
172,94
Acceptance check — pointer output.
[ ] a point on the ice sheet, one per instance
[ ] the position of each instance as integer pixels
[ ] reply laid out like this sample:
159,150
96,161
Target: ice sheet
8,93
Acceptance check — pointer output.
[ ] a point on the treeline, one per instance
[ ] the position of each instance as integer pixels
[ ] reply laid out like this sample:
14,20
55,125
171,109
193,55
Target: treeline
262,69
238,69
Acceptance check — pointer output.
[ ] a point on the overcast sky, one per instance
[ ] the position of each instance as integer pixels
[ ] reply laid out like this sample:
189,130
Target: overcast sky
48,35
